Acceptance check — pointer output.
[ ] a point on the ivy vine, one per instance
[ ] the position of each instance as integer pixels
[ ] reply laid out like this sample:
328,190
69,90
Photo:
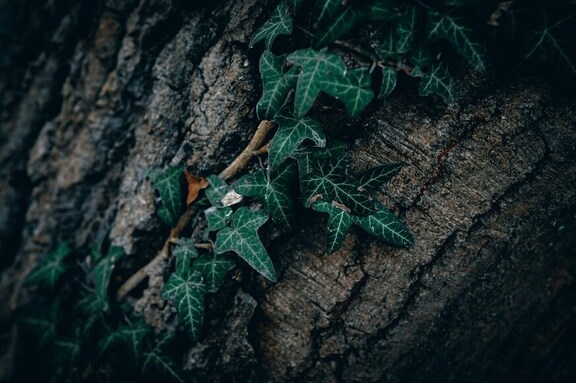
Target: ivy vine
353,51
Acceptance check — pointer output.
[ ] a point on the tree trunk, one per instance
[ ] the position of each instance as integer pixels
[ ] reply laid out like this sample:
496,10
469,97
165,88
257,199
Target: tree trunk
94,95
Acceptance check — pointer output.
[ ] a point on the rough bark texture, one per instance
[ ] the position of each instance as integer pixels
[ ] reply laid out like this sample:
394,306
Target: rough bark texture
94,95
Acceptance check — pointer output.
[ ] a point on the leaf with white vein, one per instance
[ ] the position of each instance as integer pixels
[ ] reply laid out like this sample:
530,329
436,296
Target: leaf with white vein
292,131
389,77
438,81
329,180
186,291
353,89
184,252
276,84
280,23
218,218
339,223
242,238
214,269
315,66
373,178
167,182
460,37
387,227
273,192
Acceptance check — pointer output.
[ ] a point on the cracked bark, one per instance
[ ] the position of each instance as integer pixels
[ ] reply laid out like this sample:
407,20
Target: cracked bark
487,190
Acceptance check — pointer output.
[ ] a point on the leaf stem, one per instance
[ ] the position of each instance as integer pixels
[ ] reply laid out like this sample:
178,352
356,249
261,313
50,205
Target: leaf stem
254,148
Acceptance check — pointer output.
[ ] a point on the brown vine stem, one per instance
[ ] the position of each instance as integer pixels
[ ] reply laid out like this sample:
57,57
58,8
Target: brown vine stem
253,149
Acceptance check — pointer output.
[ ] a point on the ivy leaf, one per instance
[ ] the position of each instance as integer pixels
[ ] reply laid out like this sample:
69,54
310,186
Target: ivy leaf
43,321
217,218
551,48
438,81
50,269
273,192
379,10
388,47
156,358
450,28
167,183
184,252
130,335
336,27
339,223
214,269
276,84
217,190
316,65
406,30
280,23
100,277
352,88
242,238
306,156
291,133
186,291
326,9
420,56
373,178
389,77
329,181
387,227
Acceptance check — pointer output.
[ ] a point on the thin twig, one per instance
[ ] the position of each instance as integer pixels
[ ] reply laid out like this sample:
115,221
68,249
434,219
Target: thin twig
243,158
373,58
204,245
162,255
253,149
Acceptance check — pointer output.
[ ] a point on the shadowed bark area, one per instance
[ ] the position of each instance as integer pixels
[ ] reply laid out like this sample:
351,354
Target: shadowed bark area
95,95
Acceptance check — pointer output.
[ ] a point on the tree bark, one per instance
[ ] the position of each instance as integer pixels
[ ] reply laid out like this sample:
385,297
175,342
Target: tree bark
94,95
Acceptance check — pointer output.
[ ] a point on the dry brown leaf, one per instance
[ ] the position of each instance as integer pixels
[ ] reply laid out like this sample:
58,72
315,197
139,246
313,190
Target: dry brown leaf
195,184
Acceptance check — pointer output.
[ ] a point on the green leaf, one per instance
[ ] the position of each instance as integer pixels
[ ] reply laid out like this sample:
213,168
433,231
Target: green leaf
339,223
242,238
43,321
217,218
326,9
273,192
214,269
305,157
329,32
217,190
184,252
389,77
388,47
406,30
167,183
451,28
379,10
186,291
129,335
554,50
438,81
330,182
276,84
50,269
316,65
100,277
157,359
352,88
386,226
280,23
291,133
420,56
374,178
